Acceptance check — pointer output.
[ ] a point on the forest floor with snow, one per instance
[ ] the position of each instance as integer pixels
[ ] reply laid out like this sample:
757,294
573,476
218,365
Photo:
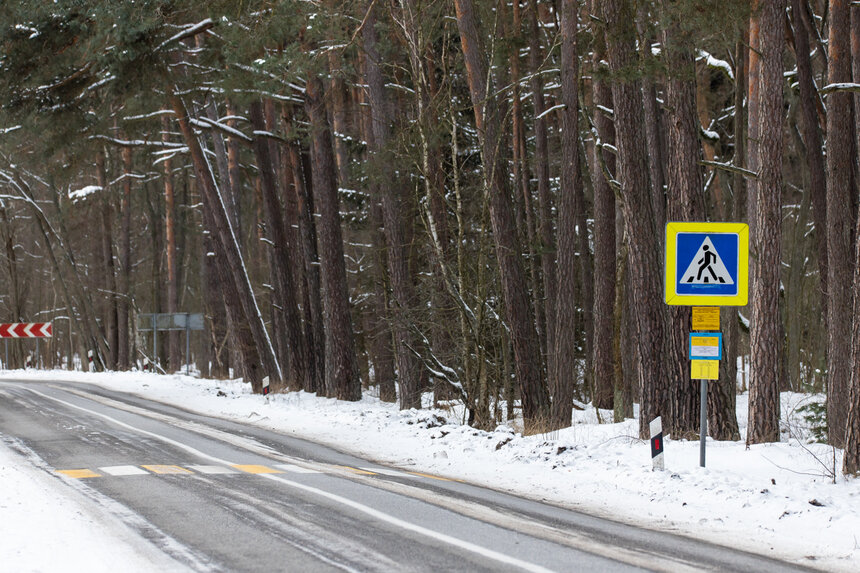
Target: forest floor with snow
783,500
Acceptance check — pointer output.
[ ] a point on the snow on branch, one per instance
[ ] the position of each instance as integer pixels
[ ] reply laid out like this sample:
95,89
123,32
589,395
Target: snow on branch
188,32
205,122
730,168
149,115
717,64
137,142
83,193
550,110
842,87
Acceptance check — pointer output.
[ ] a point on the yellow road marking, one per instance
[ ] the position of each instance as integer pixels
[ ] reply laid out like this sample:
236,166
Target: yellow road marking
78,474
431,476
357,471
167,470
256,469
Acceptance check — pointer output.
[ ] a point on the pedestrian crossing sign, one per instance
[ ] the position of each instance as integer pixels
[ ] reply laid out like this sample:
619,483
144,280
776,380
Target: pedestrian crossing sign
707,264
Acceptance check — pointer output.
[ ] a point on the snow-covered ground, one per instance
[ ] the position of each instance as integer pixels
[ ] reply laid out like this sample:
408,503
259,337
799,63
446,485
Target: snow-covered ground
775,499
45,526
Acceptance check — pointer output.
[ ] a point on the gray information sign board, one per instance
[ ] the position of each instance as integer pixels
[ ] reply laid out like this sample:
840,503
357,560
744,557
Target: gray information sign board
186,321
167,321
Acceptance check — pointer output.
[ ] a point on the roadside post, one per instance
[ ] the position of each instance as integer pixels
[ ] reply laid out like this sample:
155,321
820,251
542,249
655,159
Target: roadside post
656,427
706,267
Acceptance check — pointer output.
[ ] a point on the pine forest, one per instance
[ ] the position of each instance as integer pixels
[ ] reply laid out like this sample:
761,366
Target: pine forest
439,201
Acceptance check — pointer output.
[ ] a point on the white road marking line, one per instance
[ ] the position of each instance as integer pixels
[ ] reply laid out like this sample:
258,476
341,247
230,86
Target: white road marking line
379,515
415,528
296,469
124,471
213,470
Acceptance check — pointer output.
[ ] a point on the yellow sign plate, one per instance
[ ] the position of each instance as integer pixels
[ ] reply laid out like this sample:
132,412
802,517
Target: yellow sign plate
706,318
706,264
704,369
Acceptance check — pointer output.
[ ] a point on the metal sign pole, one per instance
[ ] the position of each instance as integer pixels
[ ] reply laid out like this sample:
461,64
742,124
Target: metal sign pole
187,344
703,421
6,340
155,340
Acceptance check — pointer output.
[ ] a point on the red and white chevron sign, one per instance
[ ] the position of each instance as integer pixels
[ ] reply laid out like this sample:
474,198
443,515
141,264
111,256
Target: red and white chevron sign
26,330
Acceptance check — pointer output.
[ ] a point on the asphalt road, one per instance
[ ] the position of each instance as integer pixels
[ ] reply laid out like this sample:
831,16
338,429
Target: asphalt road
216,495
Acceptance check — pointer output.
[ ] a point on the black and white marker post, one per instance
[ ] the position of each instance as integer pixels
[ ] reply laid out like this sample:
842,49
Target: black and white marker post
657,443
265,385
90,359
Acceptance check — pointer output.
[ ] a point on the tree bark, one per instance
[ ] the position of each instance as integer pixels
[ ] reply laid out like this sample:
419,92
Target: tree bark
851,454
341,367
811,129
546,234
108,266
170,246
490,111
685,203
227,242
564,363
394,214
639,218
765,342
298,367
124,283
840,190
604,230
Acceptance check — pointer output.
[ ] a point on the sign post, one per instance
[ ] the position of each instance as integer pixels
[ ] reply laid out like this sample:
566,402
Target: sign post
186,321
706,266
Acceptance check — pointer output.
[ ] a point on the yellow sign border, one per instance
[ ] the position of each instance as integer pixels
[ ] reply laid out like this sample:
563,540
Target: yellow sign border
742,230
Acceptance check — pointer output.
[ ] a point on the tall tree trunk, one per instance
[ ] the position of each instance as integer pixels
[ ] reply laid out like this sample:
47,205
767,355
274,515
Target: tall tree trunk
811,129
653,122
639,218
170,246
851,456
685,196
840,190
312,305
564,363
124,283
722,398
215,312
490,111
604,230
341,367
298,368
765,342
546,234
753,106
228,243
394,216
108,267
